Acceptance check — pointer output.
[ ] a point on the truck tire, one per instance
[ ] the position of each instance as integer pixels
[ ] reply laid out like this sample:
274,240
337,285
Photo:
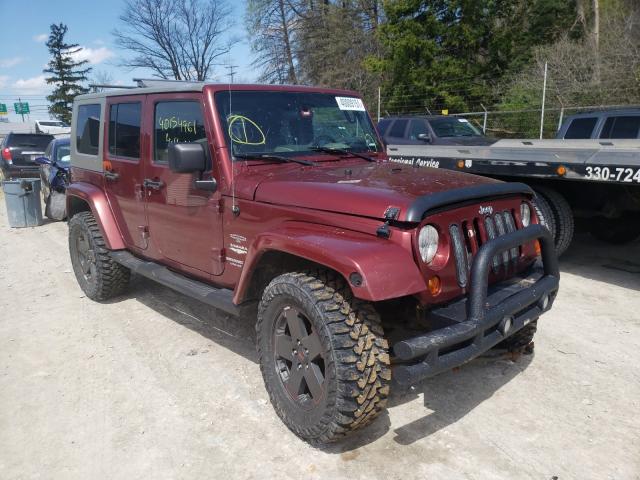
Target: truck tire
98,275
545,214
562,215
323,355
520,339
615,231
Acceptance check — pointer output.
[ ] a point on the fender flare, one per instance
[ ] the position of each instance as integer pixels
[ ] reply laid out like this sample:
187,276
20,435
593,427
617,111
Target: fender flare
99,205
387,269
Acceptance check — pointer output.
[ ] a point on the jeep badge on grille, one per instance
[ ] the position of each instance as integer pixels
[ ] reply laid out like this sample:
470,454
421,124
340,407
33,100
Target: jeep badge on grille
486,210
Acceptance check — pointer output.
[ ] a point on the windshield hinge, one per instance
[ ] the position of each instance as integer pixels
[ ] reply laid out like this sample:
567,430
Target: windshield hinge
383,230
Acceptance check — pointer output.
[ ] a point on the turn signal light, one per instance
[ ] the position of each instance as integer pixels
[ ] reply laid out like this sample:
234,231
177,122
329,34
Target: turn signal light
434,285
537,247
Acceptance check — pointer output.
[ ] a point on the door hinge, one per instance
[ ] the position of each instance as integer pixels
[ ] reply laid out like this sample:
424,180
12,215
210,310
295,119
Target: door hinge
219,255
144,231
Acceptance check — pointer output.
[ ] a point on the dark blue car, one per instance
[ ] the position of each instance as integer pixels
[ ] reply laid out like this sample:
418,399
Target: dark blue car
54,173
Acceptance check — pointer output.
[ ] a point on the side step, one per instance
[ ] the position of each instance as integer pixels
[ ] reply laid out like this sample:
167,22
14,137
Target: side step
221,298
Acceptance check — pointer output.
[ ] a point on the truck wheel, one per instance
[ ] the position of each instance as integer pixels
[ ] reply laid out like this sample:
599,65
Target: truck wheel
562,215
616,231
520,339
545,214
98,275
323,355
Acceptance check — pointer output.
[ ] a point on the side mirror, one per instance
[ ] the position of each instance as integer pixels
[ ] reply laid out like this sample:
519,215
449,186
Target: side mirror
425,137
187,157
43,161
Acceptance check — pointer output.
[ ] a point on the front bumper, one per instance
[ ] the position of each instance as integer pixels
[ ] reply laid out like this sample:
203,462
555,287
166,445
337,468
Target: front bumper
487,316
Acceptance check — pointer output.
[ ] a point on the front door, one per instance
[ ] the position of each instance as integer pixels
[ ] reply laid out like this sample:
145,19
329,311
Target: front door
185,224
123,168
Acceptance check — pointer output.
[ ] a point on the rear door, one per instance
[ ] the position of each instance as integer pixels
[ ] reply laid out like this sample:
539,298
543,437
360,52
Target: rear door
185,224
123,169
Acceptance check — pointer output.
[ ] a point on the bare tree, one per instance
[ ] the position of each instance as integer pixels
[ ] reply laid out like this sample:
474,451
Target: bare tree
177,39
272,25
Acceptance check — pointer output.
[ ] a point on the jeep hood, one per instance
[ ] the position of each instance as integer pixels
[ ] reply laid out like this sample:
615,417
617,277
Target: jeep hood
366,190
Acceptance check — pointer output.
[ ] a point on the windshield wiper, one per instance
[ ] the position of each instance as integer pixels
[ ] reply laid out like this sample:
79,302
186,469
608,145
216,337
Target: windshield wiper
342,151
276,158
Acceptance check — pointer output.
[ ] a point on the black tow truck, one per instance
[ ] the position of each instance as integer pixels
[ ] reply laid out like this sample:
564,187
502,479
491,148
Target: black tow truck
594,182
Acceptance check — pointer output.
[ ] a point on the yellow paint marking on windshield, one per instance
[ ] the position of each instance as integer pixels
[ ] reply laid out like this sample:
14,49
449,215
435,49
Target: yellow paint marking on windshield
244,121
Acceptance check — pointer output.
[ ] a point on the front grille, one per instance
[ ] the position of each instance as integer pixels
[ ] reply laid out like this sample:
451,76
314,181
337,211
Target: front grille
469,236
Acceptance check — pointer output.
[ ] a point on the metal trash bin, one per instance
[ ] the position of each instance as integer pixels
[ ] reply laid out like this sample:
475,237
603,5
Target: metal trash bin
22,198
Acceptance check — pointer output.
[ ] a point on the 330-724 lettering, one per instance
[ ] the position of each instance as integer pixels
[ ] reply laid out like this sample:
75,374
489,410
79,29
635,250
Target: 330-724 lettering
614,174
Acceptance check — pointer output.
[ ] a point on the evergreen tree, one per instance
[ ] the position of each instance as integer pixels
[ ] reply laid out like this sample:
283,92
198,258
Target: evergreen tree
66,73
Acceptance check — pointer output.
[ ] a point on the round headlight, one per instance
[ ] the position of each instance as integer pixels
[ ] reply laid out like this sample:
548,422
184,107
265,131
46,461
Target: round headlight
428,243
525,214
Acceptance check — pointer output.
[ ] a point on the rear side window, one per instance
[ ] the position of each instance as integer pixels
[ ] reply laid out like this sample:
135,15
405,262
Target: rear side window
581,128
124,130
176,122
383,125
398,128
88,129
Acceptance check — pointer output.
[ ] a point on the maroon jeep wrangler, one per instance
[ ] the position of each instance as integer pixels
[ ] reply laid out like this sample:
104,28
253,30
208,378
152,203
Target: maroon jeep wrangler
282,197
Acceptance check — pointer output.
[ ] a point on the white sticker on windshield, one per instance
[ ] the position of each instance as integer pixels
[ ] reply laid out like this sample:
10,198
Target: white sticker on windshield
350,103
463,120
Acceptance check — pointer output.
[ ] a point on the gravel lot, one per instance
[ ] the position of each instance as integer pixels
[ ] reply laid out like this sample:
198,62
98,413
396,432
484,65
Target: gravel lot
155,385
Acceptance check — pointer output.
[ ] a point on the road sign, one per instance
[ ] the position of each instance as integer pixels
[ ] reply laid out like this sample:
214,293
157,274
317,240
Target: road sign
21,108
3,109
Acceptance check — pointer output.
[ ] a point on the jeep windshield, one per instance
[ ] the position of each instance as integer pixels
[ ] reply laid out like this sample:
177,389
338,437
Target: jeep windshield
293,123
454,127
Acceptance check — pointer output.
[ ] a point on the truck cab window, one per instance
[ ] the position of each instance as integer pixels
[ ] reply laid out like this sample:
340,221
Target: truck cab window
176,122
398,128
417,127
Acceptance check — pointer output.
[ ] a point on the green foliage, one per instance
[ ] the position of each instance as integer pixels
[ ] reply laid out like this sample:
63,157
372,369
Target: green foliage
66,73
452,53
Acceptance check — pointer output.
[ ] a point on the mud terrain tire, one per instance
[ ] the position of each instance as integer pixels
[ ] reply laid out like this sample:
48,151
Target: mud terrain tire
98,275
562,215
350,354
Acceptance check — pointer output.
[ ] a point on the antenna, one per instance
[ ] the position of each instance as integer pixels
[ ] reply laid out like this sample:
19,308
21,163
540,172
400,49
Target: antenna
231,73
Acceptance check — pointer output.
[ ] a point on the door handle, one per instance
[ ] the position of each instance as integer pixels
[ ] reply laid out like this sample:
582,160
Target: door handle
111,175
152,184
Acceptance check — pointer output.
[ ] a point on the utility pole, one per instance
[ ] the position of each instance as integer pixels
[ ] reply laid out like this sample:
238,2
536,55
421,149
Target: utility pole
21,109
379,103
231,71
544,97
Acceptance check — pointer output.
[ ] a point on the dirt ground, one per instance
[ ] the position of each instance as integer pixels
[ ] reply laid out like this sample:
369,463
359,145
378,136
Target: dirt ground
154,385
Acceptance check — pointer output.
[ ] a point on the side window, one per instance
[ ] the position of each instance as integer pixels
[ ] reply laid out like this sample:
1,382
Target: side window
581,128
88,129
124,130
398,128
417,127
176,122
626,127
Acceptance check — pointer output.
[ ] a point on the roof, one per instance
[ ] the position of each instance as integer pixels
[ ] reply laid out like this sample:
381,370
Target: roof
605,112
165,86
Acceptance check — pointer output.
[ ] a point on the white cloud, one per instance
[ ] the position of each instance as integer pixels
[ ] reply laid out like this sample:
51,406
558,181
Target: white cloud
94,55
10,62
31,85
4,79
41,38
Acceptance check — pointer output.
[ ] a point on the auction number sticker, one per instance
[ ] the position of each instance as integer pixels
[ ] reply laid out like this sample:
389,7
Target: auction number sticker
350,103
614,174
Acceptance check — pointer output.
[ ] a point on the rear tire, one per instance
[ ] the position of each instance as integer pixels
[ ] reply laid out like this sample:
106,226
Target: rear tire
520,339
562,215
98,275
323,355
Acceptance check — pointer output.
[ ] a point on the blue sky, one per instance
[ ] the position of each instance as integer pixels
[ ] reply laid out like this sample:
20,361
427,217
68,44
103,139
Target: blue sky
23,54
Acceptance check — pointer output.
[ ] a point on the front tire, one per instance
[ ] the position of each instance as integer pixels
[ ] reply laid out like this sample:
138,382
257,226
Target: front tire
98,275
323,355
